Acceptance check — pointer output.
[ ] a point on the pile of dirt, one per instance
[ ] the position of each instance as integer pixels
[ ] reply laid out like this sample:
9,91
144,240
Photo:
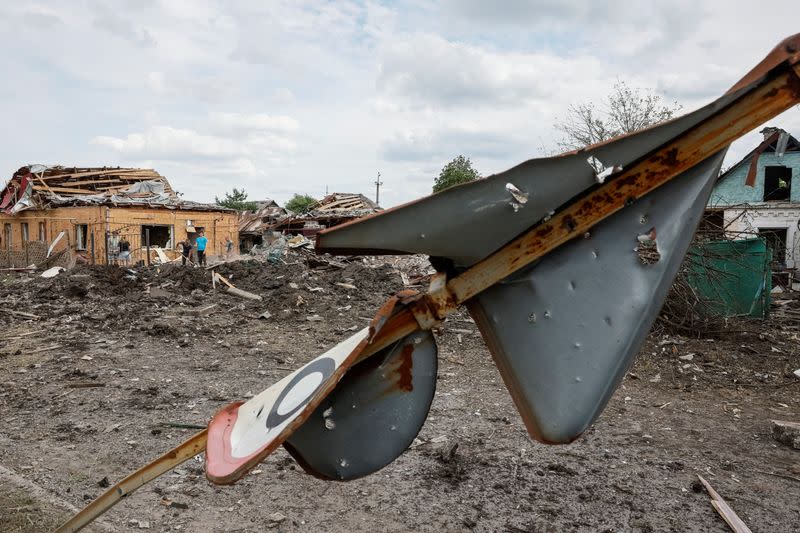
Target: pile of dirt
107,296
103,279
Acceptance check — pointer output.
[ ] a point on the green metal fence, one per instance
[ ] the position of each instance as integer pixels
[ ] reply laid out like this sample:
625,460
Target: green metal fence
732,278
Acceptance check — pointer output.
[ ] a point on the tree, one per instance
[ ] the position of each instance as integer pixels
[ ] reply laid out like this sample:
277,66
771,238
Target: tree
457,171
237,200
625,110
300,203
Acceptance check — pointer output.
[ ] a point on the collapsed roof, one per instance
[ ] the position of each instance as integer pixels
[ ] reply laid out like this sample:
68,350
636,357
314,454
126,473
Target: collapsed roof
338,205
263,218
42,187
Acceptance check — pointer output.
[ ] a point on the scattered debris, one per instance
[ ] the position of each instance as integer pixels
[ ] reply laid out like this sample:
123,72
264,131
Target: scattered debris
158,292
20,314
52,272
221,278
787,433
275,519
235,291
182,425
298,241
203,311
243,294
724,510
46,349
166,502
84,385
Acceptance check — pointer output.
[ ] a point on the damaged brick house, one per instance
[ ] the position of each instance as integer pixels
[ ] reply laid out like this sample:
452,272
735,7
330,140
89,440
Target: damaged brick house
761,195
89,209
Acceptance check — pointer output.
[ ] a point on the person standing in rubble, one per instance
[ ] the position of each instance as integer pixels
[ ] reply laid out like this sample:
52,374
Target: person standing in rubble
228,247
201,242
124,251
186,251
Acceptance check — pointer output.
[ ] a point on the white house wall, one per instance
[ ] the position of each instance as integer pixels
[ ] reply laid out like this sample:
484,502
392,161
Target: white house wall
739,222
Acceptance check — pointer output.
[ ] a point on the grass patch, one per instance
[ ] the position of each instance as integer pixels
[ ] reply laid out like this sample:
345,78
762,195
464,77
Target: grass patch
23,514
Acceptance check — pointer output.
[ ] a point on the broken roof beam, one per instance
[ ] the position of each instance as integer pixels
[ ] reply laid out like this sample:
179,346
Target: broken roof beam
63,189
91,182
58,172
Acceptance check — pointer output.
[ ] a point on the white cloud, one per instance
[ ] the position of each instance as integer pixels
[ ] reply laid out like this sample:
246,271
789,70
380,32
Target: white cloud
257,121
108,19
428,70
445,143
223,136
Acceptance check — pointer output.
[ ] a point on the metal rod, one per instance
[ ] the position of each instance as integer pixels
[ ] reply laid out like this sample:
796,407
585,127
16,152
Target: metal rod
180,454
147,243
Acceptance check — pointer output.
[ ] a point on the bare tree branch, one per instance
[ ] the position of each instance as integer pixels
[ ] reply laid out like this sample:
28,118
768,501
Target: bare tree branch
625,110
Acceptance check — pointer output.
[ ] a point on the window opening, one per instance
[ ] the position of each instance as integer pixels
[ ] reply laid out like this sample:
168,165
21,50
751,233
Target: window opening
160,236
777,184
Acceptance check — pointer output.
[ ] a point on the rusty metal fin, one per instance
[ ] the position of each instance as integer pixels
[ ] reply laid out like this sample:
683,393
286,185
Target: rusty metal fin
564,331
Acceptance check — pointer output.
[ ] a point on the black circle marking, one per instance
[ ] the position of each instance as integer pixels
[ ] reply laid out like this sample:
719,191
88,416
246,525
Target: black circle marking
325,366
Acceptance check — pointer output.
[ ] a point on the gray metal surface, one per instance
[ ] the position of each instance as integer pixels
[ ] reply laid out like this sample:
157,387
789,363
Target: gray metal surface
564,331
373,414
468,222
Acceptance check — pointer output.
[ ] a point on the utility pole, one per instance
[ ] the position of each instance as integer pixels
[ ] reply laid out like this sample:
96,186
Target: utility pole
378,184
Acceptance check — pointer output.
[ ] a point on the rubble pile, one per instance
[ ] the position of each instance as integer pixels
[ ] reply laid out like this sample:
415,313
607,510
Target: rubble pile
786,305
109,297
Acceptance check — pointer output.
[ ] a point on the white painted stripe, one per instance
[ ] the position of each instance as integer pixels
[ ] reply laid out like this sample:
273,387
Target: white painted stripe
249,433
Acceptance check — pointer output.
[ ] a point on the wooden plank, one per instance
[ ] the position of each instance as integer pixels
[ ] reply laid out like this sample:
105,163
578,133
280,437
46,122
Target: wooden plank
64,189
98,172
44,184
724,510
113,188
161,255
91,182
221,278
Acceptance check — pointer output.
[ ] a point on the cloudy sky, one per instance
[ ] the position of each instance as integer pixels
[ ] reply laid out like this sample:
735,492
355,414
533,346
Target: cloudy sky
281,97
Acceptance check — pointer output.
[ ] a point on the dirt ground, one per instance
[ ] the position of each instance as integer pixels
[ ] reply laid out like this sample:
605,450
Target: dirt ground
93,386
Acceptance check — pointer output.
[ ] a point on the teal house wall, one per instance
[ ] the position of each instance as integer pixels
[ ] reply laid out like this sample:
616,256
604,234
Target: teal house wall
731,190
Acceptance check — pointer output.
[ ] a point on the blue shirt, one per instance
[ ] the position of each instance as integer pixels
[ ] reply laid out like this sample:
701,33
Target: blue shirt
201,243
